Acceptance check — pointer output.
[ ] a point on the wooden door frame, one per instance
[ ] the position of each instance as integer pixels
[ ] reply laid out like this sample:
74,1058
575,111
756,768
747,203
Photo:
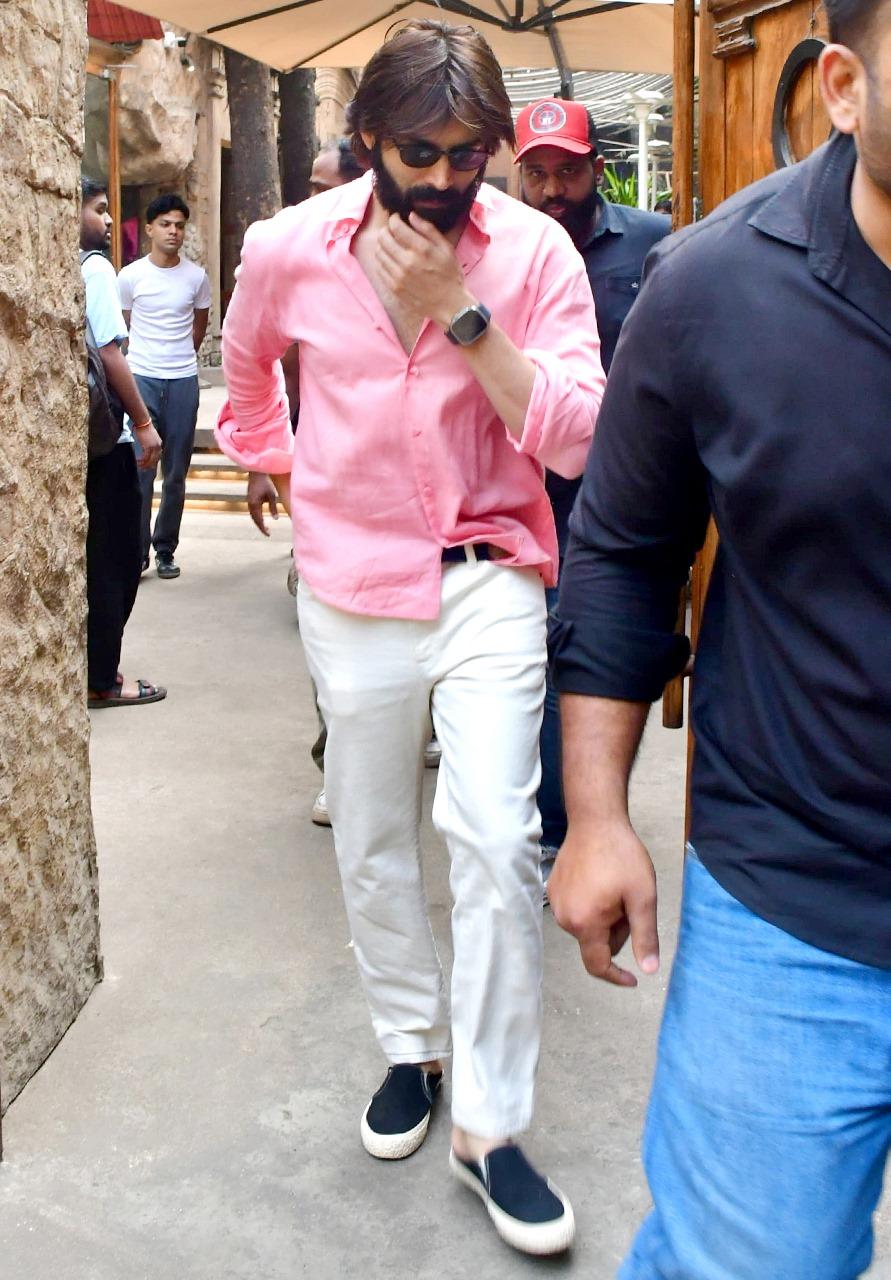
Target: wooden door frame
97,65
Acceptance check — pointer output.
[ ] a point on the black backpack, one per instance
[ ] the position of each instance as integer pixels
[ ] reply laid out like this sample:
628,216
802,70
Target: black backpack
106,414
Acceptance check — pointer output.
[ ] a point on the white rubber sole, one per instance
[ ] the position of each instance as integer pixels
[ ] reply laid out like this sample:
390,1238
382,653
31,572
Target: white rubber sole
539,1238
392,1146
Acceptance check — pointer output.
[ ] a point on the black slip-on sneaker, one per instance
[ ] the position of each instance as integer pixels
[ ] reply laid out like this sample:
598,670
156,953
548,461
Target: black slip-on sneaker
526,1209
396,1119
166,565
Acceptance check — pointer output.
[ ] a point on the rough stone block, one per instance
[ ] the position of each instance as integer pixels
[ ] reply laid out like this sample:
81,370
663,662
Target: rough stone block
49,939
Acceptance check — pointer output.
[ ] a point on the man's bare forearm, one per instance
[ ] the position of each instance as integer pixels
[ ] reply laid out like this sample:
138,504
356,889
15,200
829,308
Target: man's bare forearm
199,328
506,376
122,382
600,741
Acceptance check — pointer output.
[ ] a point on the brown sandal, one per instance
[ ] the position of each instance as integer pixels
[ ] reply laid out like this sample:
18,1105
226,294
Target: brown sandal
115,698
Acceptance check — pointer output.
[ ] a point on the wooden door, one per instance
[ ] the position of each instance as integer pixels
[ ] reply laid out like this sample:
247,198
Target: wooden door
746,44
759,106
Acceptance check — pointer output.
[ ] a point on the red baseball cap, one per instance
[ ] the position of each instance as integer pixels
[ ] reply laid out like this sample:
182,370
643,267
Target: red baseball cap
552,122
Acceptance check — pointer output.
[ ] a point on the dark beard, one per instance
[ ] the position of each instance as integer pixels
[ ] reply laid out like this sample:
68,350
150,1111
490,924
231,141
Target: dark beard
578,219
446,209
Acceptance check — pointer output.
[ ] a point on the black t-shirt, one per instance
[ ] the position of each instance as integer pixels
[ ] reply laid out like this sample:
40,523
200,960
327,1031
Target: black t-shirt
753,380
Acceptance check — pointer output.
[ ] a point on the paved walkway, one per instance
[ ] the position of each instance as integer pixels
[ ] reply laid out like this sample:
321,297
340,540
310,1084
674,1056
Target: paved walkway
200,1120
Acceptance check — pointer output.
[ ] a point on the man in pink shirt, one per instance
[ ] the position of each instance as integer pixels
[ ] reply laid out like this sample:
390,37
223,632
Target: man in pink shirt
448,353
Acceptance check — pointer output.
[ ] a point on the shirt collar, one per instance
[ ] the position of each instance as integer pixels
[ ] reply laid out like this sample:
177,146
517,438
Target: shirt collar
608,219
813,211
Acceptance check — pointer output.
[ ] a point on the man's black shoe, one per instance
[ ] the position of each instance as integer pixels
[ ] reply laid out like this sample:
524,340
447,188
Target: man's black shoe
396,1119
527,1211
166,565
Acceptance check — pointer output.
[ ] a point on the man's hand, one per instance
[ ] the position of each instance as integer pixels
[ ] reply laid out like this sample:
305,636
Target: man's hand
603,889
261,490
419,267
150,443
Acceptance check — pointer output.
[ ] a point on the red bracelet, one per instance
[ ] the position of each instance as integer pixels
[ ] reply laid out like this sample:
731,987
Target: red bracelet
137,426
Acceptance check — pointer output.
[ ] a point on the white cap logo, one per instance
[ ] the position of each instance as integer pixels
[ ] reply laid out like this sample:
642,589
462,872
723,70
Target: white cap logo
548,117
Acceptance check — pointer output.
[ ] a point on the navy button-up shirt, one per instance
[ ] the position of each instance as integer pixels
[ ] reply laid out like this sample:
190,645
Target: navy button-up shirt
753,380
614,256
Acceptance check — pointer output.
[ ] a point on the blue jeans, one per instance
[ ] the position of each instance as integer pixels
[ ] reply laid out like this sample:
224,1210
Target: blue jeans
173,404
550,792
770,1117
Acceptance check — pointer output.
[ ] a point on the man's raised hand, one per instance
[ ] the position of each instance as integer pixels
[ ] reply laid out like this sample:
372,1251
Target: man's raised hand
419,267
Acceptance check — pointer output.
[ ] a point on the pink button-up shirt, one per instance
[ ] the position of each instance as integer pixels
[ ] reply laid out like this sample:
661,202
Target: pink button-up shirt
398,455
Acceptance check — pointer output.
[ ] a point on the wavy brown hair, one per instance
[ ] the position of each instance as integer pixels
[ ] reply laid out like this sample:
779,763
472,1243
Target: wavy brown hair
426,75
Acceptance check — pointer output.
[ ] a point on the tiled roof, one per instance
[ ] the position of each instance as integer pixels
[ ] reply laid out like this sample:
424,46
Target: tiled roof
116,25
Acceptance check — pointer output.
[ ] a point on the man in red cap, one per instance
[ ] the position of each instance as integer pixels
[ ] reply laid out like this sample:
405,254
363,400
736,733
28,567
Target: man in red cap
561,173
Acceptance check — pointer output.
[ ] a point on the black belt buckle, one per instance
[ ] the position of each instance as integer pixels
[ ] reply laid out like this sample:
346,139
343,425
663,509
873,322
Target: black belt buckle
458,555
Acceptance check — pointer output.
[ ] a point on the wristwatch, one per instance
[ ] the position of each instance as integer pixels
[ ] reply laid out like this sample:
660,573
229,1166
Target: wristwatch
468,325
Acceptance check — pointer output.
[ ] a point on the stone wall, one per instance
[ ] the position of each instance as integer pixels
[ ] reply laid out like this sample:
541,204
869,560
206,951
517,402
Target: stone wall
49,941
335,87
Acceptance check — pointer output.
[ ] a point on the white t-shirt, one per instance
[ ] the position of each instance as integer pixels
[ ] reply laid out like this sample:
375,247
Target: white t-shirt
162,302
104,310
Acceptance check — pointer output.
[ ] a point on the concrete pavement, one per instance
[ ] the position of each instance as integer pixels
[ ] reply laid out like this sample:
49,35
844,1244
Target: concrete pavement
200,1120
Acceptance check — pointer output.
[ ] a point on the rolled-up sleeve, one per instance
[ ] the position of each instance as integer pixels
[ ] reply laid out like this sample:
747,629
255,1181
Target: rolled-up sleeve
563,343
253,427
638,521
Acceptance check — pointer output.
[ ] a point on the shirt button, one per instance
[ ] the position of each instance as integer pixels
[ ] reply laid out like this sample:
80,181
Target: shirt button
415,373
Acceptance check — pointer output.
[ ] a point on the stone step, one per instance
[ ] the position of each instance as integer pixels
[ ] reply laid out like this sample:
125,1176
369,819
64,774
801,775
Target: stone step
204,438
215,466
215,488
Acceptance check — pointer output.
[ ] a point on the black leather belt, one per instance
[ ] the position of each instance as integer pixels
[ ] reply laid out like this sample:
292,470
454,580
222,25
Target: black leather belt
458,555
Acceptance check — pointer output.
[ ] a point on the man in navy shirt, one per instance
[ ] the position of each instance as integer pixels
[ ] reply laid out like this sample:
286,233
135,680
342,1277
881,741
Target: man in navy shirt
753,381
561,173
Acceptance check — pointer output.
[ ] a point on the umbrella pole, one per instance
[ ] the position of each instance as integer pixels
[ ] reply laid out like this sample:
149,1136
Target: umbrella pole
567,90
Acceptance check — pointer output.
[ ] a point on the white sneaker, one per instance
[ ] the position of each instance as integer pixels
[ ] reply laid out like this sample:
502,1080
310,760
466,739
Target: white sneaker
320,810
432,754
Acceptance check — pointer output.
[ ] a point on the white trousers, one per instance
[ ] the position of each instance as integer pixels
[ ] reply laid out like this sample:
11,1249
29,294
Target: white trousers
480,669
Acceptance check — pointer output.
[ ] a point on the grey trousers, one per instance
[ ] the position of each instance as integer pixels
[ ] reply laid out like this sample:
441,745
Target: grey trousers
173,404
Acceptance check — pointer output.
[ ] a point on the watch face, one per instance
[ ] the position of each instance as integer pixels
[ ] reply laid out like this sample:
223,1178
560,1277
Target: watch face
469,325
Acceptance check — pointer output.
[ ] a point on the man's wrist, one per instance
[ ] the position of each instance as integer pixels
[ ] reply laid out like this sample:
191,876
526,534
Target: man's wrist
453,305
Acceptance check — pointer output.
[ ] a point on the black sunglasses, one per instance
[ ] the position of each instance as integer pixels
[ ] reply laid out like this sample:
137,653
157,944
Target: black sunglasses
423,155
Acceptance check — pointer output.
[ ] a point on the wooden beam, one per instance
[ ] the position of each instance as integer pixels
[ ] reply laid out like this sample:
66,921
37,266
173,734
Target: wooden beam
681,215
682,113
114,172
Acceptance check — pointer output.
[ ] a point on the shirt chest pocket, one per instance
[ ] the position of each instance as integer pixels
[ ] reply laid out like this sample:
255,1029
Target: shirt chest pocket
626,287
620,293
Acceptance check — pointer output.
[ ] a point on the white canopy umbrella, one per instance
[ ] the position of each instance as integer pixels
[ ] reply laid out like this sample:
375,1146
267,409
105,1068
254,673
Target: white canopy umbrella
585,35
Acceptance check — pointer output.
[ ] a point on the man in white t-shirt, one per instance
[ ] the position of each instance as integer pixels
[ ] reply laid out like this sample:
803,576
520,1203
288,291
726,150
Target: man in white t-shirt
166,301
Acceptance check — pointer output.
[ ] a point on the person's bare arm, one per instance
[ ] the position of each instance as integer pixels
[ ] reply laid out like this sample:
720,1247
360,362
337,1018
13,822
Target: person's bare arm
122,382
291,370
199,326
603,886
264,490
